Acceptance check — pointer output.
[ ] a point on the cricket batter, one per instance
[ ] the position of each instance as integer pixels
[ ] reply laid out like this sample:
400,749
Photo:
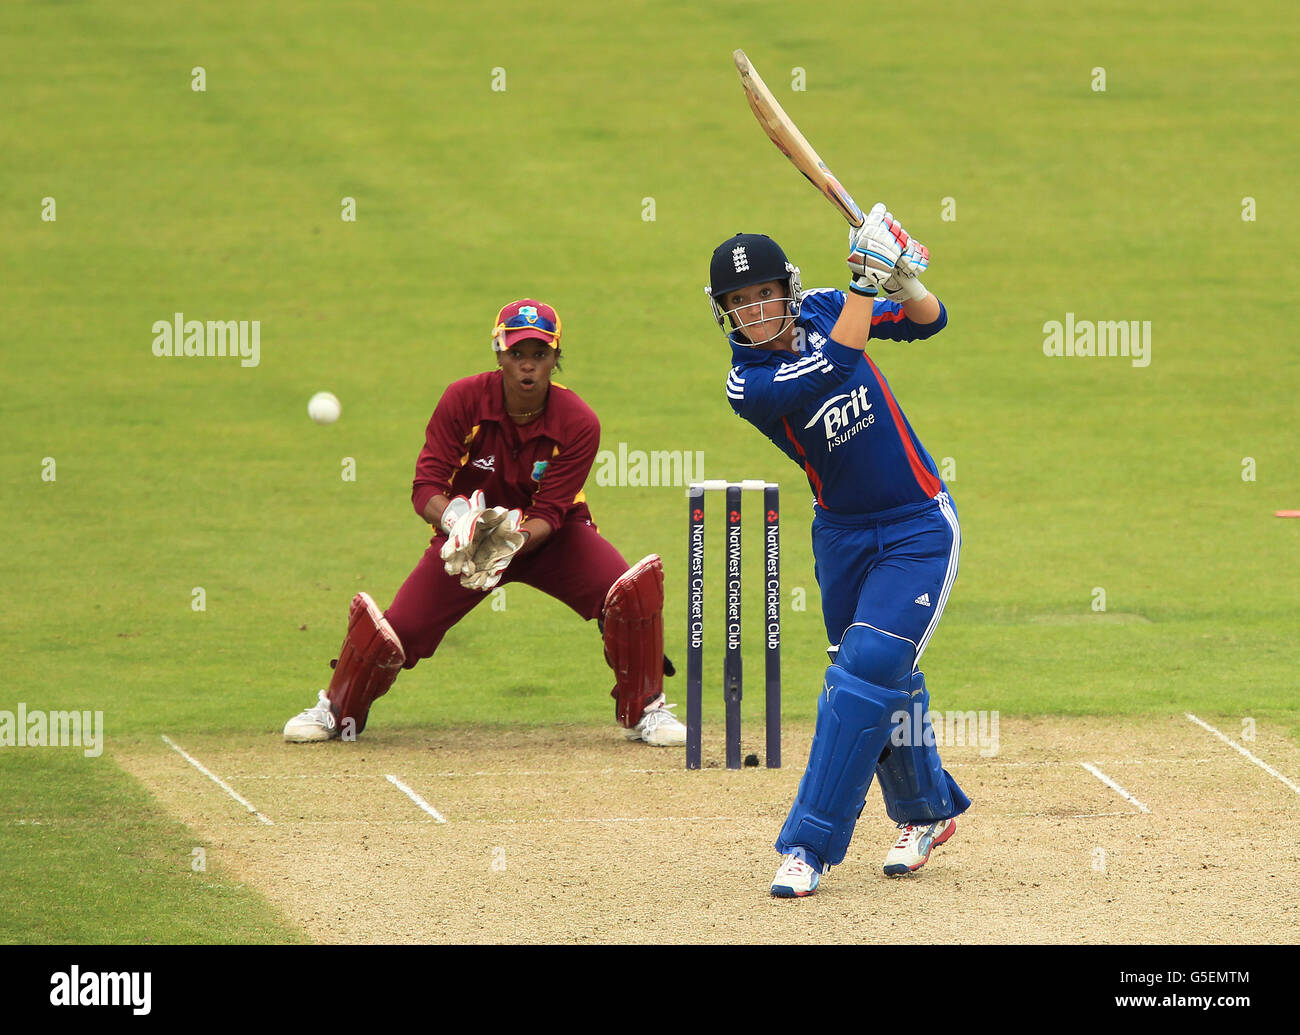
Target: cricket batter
885,532
500,479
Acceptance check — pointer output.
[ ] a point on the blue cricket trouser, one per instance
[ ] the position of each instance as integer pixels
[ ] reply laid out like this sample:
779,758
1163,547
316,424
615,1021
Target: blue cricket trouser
884,580
890,572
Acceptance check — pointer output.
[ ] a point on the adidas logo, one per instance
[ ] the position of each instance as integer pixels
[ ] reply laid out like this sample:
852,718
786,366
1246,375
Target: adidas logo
923,600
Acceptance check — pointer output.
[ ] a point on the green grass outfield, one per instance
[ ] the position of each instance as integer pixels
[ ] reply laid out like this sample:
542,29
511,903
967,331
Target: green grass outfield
172,474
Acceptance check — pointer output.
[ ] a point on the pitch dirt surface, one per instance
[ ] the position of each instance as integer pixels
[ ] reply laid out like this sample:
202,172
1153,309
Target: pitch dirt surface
572,835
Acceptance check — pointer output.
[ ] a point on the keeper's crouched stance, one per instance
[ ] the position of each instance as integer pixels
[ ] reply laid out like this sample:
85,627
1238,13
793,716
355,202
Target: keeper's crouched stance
500,479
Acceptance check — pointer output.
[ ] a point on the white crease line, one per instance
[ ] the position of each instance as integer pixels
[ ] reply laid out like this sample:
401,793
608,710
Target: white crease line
383,824
1233,744
453,773
215,779
629,819
1049,815
490,773
1114,786
542,820
1158,761
415,798
551,821
1070,763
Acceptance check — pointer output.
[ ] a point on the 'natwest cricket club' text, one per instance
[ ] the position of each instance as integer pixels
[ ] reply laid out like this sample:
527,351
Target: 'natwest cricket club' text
733,582
696,575
772,580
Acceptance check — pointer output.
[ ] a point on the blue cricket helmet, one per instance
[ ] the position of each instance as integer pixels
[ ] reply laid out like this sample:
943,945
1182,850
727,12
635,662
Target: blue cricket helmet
744,260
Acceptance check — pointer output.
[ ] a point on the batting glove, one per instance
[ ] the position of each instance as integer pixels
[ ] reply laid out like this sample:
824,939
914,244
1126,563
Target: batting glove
903,285
874,250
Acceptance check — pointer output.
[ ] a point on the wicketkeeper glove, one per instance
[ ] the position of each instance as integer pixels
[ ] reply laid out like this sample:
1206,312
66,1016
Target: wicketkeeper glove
461,521
460,506
493,553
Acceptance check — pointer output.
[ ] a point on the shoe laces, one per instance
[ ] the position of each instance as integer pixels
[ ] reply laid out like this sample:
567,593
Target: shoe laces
657,711
909,831
797,865
323,706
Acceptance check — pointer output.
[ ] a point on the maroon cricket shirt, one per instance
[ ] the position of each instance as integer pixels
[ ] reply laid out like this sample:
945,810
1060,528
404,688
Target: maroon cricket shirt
539,467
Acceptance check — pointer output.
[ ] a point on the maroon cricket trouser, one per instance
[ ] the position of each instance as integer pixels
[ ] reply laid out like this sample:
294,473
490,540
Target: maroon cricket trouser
576,565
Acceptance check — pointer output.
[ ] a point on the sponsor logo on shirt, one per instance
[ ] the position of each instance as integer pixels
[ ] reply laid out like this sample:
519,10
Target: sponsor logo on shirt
486,463
843,416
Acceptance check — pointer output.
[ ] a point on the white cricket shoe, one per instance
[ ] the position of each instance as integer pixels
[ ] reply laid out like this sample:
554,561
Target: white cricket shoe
659,727
796,877
316,723
914,845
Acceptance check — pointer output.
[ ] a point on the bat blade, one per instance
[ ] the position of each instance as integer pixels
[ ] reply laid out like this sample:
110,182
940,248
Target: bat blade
782,131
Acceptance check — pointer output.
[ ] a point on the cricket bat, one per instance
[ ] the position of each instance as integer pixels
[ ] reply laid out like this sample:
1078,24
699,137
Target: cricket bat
786,136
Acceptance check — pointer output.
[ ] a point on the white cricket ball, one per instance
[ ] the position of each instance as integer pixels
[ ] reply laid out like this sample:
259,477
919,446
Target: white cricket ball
324,408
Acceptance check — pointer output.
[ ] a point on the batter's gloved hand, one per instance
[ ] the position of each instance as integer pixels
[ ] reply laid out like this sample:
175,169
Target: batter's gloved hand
874,250
461,522
903,285
493,553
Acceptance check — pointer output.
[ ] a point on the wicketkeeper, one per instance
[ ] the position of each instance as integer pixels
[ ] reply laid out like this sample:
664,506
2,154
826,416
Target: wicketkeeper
885,532
500,479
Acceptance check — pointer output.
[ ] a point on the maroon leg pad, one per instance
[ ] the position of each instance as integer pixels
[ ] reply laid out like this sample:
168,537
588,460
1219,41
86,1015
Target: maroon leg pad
634,638
368,662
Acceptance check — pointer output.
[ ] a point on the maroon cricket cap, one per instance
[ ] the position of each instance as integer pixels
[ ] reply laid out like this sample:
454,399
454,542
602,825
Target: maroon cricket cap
524,319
